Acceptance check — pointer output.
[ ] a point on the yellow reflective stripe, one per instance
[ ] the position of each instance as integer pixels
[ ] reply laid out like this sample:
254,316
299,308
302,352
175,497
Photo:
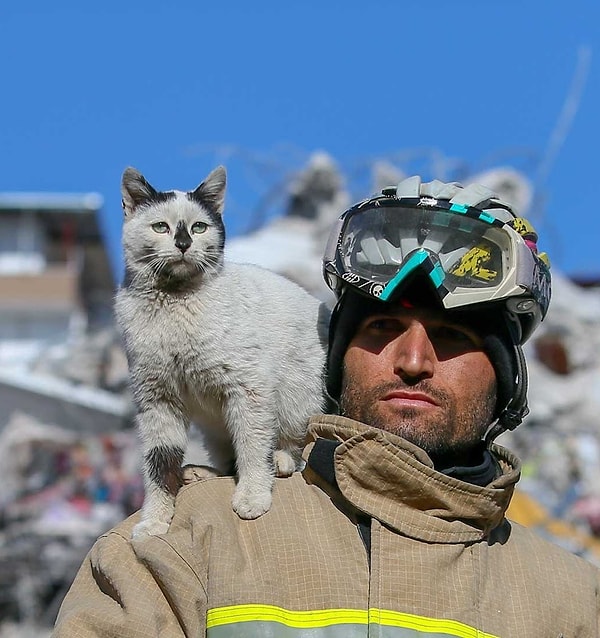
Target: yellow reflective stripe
425,624
313,619
302,619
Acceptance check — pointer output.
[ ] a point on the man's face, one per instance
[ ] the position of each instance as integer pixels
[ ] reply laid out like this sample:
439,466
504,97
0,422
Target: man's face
416,373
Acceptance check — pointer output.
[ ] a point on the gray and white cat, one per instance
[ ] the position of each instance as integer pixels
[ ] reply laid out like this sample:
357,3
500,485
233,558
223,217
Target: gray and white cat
234,348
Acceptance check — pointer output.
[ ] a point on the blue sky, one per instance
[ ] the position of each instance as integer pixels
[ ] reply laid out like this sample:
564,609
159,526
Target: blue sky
175,88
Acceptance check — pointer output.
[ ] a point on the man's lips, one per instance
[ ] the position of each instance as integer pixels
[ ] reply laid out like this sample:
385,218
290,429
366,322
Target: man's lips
410,399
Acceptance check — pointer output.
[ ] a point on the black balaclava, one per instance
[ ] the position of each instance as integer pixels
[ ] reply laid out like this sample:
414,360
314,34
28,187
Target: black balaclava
489,323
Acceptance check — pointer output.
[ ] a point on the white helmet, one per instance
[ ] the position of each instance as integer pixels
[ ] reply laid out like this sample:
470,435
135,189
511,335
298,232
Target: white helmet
474,250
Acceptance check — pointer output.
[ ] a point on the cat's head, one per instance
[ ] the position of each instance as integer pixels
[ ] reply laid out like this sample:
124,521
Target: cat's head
173,239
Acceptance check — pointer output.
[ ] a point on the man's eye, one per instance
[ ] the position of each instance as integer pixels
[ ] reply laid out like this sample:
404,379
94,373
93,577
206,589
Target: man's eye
199,227
160,227
383,324
453,335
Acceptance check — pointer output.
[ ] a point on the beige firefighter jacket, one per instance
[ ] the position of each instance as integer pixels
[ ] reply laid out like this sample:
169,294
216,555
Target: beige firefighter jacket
443,560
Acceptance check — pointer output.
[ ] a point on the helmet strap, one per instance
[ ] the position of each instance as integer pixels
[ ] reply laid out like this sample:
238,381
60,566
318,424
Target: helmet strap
517,408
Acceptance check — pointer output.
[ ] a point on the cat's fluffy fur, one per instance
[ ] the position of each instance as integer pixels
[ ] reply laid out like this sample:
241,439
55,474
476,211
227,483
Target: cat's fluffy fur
235,349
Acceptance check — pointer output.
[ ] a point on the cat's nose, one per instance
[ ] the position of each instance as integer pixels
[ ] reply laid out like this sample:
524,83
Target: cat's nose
183,239
183,244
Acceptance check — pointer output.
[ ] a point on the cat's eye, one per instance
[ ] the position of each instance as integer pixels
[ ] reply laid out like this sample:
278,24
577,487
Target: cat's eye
199,227
160,227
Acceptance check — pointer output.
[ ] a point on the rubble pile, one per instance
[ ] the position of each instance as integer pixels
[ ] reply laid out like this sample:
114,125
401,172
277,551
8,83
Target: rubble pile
64,483
560,439
61,490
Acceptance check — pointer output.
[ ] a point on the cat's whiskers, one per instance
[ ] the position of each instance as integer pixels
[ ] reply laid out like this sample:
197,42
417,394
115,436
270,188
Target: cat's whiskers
155,272
158,272
209,262
149,272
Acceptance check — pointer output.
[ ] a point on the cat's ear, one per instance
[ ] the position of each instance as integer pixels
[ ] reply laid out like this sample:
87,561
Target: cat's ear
135,190
211,193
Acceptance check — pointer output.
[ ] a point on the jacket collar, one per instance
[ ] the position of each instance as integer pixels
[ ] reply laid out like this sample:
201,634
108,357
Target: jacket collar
392,480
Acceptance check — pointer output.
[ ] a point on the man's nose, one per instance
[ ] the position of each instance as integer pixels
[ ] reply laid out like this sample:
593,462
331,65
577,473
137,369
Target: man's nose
413,353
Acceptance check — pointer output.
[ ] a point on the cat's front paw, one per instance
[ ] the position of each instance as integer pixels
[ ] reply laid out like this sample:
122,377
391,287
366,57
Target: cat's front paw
285,463
149,528
251,505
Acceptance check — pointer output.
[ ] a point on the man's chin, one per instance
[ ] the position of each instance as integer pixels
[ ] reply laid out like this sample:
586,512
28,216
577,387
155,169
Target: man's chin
415,425
406,418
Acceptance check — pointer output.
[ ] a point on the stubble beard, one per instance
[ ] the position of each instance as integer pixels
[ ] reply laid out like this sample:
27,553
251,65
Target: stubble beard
449,432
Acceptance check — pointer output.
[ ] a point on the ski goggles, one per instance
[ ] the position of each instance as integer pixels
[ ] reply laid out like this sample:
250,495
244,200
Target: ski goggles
469,255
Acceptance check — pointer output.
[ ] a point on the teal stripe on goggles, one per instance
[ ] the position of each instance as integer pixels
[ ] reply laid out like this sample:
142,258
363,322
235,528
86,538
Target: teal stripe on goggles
417,260
469,255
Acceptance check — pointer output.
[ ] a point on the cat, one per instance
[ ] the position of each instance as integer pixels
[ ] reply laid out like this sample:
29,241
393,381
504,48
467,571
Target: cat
236,349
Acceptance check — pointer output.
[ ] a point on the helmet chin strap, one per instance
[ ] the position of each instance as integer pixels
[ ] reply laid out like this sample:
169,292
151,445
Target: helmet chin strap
517,408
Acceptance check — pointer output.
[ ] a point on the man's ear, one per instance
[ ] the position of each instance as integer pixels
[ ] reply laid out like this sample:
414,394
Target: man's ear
135,190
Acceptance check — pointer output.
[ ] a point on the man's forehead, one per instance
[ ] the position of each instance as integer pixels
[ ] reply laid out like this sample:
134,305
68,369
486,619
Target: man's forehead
478,321
407,307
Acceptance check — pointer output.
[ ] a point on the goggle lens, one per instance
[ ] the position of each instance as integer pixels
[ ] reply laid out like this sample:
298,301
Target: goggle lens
469,253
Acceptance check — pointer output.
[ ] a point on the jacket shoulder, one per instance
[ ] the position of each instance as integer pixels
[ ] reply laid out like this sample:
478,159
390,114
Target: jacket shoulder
208,502
549,561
